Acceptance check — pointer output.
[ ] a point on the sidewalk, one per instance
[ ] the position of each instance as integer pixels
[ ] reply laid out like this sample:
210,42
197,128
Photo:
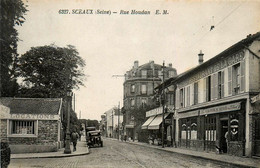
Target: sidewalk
224,158
82,149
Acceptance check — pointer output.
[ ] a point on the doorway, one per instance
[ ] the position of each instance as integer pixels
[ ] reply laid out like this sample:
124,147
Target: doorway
224,135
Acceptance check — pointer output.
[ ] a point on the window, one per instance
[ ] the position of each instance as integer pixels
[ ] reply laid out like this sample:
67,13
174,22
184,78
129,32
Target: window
144,89
188,96
144,102
170,99
144,73
132,88
23,127
171,74
220,84
236,78
208,88
132,102
182,97
196,90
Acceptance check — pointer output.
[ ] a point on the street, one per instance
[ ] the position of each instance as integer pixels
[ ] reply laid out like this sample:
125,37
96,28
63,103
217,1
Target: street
119,154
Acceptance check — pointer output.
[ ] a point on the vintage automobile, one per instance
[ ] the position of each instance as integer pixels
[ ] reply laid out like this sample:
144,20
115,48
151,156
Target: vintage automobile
94,139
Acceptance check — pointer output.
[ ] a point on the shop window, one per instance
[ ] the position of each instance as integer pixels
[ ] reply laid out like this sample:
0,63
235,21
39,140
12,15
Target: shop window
144,89
210,128
22,127
183,131
193,129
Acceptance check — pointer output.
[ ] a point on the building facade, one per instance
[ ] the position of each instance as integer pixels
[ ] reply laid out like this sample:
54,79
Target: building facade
114,121
139,85
214,107
31,124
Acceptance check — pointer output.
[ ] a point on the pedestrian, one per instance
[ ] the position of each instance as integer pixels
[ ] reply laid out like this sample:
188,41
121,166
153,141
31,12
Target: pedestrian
74,138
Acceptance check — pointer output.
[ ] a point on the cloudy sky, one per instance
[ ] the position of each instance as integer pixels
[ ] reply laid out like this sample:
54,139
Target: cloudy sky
111,43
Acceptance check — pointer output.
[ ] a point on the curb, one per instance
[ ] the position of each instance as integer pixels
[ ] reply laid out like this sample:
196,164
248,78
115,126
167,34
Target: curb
54,156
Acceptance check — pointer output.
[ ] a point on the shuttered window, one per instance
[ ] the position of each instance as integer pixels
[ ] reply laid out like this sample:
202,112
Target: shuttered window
236,79
220,88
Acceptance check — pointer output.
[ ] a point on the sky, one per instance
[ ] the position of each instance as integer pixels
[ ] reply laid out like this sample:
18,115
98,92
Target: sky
110,44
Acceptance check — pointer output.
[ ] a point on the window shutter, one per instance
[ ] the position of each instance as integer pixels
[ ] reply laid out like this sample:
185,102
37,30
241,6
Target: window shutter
216,85
177,98
242,73
222,84
204,90
188,96
212,96
191,94
229,81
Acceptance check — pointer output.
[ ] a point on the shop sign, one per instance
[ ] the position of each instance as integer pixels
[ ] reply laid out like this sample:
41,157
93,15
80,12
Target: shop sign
35,116
234,126
154,112
188,114
223,108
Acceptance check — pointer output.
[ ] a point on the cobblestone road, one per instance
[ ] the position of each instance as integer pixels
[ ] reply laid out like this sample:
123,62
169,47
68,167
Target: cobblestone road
116,154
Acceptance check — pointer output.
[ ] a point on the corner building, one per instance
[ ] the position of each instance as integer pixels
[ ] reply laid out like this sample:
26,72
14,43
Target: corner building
139,86
217,102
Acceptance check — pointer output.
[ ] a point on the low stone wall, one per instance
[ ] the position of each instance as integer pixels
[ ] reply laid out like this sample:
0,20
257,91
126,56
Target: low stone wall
15,149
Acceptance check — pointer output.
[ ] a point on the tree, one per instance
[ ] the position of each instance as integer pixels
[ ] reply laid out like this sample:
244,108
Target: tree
50,71
12,12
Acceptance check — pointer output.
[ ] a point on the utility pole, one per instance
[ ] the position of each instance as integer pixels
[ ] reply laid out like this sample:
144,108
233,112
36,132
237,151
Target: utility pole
163,103
112,123
118,115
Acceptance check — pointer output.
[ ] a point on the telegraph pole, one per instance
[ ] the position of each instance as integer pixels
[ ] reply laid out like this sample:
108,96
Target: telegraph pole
162,103
112,123
118,115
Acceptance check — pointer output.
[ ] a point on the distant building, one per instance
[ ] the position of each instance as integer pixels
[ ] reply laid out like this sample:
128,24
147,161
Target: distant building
114,121
139,85
31,124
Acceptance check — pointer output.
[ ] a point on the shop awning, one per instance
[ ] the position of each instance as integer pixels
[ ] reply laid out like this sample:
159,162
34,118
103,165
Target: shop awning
147,122
155,124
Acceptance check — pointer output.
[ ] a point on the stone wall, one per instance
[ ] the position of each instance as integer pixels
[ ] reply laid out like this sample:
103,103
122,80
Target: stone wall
3,129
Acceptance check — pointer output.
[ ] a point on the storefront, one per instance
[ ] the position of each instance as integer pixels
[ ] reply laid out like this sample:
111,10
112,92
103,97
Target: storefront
218,129
255,101
153,125
31,124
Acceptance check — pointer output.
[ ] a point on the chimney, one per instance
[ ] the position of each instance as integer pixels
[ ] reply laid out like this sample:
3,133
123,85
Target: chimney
135,64
200,57
170,65
152,64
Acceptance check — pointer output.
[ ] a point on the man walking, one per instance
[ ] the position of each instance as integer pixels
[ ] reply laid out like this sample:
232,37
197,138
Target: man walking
74,138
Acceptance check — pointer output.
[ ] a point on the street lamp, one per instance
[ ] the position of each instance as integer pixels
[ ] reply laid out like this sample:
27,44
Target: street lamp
163,103
67,143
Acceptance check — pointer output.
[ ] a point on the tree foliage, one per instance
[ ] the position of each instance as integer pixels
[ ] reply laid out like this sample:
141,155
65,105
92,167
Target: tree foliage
51,71
12,12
